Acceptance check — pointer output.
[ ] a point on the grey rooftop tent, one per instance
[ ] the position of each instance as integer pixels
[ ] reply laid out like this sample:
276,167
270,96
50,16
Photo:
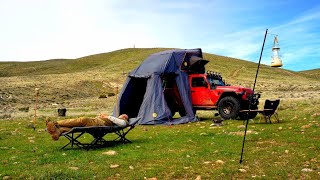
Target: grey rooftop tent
142,95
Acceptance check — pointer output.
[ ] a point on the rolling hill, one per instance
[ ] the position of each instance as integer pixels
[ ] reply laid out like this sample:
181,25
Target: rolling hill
314,73
79,82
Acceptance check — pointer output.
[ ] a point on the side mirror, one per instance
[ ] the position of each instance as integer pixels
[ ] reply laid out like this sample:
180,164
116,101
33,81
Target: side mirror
213,85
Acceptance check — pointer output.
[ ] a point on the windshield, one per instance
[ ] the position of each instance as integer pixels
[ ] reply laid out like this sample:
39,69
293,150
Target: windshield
215,82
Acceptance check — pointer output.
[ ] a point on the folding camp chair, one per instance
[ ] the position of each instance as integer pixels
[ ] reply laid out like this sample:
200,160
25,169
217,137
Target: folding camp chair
98,133
269,110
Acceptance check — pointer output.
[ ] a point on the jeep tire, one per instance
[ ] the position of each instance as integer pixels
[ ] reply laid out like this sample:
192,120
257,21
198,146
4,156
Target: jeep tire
228,107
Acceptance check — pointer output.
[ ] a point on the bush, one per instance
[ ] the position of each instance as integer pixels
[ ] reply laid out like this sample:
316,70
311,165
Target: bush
103,96
111,94
24,109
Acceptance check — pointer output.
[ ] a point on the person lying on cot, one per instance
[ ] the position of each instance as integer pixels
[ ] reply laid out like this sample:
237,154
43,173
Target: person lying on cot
56,128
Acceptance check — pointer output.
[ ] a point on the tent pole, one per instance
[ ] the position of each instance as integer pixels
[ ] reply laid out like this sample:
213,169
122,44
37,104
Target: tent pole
117,103
250,100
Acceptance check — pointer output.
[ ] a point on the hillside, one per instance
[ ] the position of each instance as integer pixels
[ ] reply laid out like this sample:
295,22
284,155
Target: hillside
314,73
61,66
77,83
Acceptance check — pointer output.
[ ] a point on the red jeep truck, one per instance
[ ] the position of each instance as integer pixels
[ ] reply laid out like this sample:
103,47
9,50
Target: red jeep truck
209,92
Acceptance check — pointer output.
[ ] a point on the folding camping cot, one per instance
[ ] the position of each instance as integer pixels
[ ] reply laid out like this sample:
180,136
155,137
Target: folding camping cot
98,133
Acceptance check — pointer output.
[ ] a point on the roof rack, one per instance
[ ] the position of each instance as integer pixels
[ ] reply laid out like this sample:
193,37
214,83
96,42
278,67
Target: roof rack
214,74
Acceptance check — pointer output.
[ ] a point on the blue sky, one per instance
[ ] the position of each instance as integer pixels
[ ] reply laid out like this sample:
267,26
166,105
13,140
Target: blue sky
47,29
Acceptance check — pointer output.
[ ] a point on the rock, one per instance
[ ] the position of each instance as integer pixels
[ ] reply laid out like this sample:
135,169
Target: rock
316,114
219,162
74,168
306,170
306,126
110,153
216,124
241,126
6,177
212,127
237,133
114,166
40,130
242,170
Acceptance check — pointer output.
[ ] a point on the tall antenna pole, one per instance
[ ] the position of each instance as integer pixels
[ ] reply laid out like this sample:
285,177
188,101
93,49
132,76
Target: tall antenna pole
35,108
250,100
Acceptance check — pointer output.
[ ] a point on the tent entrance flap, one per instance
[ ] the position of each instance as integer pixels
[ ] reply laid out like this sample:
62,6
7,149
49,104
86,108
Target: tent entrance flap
133,96
171,93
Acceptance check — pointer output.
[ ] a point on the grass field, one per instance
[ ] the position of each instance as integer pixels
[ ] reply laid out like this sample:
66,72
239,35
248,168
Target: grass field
286,150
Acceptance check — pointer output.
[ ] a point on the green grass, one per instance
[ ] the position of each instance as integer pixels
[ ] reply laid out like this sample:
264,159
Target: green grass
278,150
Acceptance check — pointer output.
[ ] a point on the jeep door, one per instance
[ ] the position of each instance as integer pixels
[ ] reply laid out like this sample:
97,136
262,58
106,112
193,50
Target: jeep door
200,92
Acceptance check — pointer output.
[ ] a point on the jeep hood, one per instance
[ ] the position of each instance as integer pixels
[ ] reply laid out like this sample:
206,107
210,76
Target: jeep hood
237,89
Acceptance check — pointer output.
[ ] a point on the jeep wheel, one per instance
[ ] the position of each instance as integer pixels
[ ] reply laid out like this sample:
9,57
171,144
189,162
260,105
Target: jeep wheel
228,107
251,115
